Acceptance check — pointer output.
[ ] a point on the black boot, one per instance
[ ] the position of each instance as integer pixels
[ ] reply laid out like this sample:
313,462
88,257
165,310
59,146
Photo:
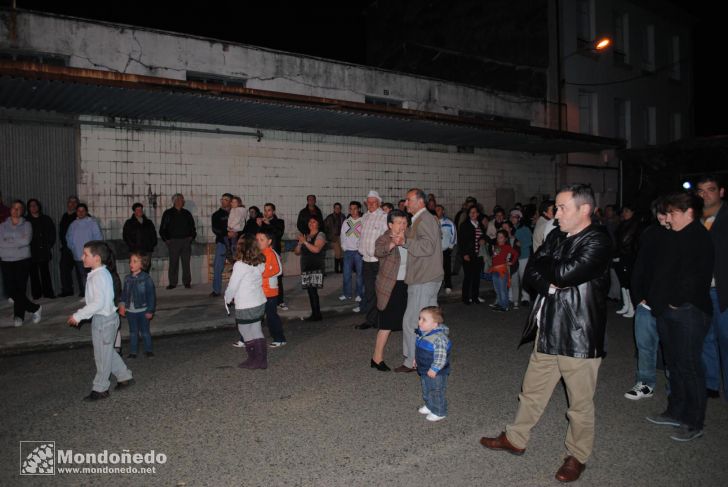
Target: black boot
338,264
313,299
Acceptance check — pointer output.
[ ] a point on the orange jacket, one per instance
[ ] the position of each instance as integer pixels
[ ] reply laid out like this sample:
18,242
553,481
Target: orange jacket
273,269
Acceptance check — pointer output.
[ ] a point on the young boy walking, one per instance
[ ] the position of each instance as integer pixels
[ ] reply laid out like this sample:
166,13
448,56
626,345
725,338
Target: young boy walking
104,322
432,360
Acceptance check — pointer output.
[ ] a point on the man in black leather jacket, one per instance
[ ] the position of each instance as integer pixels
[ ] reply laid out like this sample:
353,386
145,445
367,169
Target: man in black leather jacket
570,272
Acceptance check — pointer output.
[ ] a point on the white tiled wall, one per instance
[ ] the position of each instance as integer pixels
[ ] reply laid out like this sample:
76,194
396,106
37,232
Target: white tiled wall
120,166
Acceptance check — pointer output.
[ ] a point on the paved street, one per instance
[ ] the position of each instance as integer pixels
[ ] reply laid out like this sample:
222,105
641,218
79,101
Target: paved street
320,416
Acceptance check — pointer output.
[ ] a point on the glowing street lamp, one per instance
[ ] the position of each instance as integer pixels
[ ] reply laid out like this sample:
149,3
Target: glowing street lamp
602,44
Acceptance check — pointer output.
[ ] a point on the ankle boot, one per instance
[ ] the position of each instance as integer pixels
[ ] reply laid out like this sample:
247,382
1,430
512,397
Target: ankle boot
313,300
250,348
630,309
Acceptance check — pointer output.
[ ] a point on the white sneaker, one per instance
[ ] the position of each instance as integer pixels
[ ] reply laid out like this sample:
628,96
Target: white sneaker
358,299
448,290
424,410
283,307
639,391
17,322
239,344
343,298
276,344
434,417
629,313
356,310
36,315
481,300
11,301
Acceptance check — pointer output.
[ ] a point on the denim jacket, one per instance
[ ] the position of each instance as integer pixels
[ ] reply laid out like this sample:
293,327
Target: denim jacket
139,289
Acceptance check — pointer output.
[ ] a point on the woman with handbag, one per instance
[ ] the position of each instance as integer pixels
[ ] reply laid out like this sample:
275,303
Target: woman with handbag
311,248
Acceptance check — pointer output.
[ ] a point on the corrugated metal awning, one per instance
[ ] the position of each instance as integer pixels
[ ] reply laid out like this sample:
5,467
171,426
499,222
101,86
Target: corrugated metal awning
91,92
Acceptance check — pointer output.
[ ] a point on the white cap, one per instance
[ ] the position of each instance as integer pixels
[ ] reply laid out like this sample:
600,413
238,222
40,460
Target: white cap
517,213
374,194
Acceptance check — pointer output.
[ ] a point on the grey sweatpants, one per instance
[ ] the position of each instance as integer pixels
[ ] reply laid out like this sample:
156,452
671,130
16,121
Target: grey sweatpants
108,361
418,296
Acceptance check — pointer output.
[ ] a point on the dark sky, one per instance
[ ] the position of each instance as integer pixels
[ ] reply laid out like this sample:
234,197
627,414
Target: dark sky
338,31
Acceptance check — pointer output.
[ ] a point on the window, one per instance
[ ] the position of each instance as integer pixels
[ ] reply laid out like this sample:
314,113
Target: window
385,102
650,125
621,38
587,113
676,126
584,24
216,79
491,117
35,57
648,48
675,58
622,120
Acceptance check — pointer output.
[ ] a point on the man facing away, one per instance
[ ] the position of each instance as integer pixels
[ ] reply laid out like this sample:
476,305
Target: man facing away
570,273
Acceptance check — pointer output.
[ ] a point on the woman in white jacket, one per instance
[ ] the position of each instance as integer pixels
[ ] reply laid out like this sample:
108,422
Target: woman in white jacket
246,290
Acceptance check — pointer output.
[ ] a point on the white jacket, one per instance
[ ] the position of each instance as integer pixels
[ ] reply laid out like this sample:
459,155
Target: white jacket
246,286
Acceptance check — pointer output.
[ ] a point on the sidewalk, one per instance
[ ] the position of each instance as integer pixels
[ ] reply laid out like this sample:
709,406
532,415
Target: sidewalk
179,311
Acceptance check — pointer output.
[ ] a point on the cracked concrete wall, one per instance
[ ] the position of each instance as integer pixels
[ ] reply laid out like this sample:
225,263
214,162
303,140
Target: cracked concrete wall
98,45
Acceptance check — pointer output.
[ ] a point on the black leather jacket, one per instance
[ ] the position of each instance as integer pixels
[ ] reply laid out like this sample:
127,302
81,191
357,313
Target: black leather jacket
573,318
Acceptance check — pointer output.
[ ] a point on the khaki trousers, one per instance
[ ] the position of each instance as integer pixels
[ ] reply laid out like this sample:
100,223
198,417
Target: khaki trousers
543,373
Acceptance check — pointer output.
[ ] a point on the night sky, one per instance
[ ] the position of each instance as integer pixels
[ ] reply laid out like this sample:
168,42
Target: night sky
338,31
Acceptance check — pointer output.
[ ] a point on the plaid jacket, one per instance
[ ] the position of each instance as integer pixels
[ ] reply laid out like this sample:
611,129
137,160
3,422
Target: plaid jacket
388,269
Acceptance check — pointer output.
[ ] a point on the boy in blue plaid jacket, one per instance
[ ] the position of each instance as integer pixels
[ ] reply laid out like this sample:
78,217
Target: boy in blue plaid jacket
432,359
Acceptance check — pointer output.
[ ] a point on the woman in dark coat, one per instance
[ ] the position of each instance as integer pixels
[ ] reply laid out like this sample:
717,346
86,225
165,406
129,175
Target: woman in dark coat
311,248
626,240
470,237
44,237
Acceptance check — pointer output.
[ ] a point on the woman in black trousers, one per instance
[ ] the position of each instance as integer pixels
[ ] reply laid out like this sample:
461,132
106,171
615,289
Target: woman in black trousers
470,237
44,237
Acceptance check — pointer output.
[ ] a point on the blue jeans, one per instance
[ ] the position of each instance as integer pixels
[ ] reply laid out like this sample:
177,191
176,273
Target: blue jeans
353,258
647,340
500,285
217,267
273,320
682,333
138,323
434,393
715,349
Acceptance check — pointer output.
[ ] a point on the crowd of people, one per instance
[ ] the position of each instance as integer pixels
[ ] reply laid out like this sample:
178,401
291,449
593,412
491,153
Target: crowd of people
667,269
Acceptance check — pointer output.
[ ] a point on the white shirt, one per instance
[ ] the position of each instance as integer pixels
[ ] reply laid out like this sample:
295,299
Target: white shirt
402,263
246,286
374,224
236,219
99,295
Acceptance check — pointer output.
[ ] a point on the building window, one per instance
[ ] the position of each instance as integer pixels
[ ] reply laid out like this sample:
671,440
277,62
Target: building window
621,38
587,113
675,58
623,121
35,57
650,125
216,79
491,117
584,24
676,126
648,48
385,102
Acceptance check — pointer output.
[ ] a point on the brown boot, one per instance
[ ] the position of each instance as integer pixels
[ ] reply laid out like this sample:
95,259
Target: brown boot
261,354
250,348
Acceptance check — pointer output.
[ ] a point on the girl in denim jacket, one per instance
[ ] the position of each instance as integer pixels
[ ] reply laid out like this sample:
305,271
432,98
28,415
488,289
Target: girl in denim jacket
138,301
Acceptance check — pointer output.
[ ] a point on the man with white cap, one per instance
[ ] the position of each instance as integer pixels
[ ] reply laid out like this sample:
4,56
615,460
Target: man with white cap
374,224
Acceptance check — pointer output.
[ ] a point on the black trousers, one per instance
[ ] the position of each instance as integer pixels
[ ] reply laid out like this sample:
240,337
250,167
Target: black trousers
15,276
471,278
179,248
67,267
40,280
682,334
281,299
447,267
369,303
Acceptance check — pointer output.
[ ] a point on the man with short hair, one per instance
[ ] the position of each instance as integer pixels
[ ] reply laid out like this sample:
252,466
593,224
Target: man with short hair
715,349
423,241
350,235
332,228
67,265
374,224
570,272
310,211
178,231
220,229
271,224
83,229
449,240
402,205
139,233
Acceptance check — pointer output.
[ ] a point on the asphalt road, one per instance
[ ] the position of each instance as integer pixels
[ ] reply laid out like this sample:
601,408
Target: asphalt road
320,416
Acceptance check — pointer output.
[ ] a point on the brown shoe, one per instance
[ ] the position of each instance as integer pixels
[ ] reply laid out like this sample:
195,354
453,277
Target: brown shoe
501,443
570,470
404,369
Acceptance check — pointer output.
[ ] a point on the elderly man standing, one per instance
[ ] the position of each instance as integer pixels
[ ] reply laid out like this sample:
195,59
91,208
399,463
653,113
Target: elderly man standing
178,231
374,224
570,272
220,229
423,242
